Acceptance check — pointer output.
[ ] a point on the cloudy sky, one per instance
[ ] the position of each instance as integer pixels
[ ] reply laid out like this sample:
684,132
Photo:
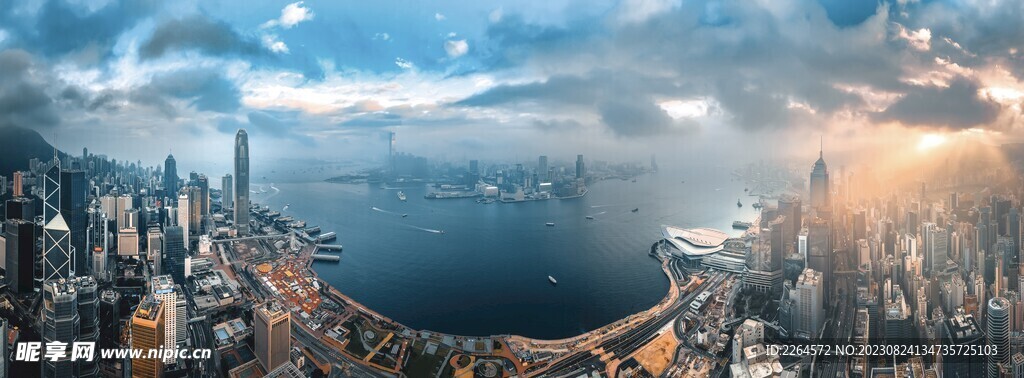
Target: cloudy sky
490,79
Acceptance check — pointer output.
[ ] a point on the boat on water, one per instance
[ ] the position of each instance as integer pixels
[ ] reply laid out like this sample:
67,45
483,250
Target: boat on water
553,280
738,203
742,225
550,224
636,210
401,195
634,180
590,217
404,215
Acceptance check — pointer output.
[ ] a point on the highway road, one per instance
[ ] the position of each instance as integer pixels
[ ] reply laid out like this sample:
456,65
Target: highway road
627,342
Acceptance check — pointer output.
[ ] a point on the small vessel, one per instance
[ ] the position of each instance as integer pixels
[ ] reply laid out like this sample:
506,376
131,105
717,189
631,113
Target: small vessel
553,280
745,189
741,225
404,215
634,180
636,209
738,203
401,195
590,217
550,224
442,231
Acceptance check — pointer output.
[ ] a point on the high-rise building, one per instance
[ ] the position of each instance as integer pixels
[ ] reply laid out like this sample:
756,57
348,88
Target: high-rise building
60,323
997,330
242,181
171,177
154,243
4,350
124,205
204,195
20,208
20,255
174,253
128,242
73,193
286,370
195,213
789,207
227,191
580,167
934,245
808,313
110,317
820,194
819,252
272,334
51,191
89,321
147,332
183,214
162,288
542,168
58,253
18,183
962,329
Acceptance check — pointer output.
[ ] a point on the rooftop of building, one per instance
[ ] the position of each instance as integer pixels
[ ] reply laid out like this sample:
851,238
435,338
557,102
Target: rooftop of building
149,308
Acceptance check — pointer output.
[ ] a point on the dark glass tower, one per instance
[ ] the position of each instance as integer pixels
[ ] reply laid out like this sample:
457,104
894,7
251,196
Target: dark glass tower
174,253
171,178
74,190
242,182
51,191
20,259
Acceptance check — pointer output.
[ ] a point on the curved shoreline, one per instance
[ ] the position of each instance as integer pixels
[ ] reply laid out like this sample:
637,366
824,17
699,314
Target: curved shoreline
668,298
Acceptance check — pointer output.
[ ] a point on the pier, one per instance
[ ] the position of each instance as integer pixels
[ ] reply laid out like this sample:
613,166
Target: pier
332,258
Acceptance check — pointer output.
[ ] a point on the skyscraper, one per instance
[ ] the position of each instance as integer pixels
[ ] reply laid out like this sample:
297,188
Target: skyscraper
272,334
57,250
998,332
147,333
542,168
171,177
20,255
4,351
242,181
20,208
195,214
61,323
820,195
808,312
89,321
227,191
162,288
183,215
174,253
819,252
18,183
51,191
73,193
110,317
580,168
204,195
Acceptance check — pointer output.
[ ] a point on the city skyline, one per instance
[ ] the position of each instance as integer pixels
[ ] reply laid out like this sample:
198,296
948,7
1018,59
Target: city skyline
464,76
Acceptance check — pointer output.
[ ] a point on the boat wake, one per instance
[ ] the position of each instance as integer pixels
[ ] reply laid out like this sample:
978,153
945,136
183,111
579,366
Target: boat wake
375,208
427,230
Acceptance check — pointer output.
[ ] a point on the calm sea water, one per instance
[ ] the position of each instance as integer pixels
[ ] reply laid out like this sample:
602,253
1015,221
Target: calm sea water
487,273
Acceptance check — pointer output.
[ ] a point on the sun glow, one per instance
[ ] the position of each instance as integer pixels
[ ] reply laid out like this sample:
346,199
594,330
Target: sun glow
930,141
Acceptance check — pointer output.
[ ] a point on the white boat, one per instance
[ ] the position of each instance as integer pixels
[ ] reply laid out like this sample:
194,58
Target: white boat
550,224
401,195
553,280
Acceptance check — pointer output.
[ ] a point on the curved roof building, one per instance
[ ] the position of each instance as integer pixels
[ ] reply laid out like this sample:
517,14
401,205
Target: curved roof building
701,248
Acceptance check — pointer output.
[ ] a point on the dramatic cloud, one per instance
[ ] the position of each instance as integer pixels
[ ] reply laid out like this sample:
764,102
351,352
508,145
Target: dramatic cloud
958,106
198,33
23,98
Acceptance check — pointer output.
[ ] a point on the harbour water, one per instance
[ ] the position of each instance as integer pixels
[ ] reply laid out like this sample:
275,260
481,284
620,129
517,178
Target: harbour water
456,266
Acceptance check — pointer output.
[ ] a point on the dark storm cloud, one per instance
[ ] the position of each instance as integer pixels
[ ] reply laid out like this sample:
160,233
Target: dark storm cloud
23,92
959,106
635,117
61,27
198,33
205,90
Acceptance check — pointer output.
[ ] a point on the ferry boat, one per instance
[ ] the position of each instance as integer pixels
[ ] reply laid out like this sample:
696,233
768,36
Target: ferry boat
553,280
404,215
636,210
401,195
550,224
589,217
742,225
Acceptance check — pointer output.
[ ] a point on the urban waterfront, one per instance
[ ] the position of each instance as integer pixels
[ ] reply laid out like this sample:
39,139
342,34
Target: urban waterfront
487,274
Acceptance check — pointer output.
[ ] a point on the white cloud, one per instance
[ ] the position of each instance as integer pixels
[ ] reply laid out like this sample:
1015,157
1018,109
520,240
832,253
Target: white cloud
456,48
920,39
685,109
291,15
439,17
403,64
382,37
640,10
271,42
